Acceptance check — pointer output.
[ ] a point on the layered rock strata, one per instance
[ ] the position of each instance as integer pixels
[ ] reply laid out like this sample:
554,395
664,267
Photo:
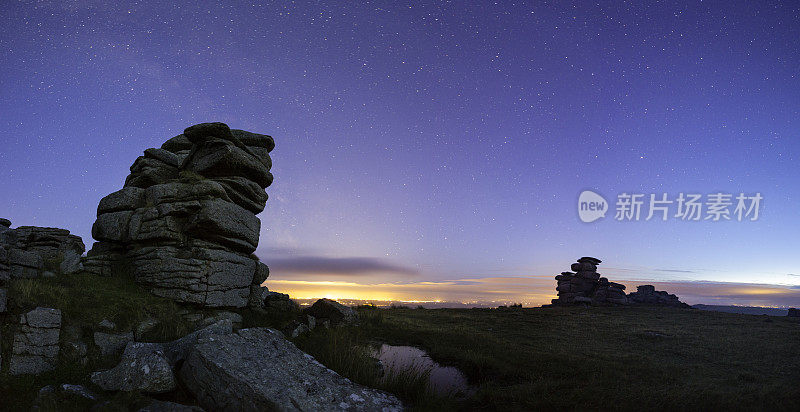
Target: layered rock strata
31,252
184,225
35,348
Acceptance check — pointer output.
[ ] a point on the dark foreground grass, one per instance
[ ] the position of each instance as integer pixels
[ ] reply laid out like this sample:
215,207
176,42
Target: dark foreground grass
517,359
84,301
606,358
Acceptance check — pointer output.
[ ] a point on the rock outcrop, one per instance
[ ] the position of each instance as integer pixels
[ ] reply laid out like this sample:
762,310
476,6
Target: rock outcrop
332,311
258,369
32,252
35,348
279,302
586,286
793,313
648,295
184,225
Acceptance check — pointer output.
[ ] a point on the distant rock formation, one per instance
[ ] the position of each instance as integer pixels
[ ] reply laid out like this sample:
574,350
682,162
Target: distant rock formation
648,295
184,225
793,313
31,252
586,286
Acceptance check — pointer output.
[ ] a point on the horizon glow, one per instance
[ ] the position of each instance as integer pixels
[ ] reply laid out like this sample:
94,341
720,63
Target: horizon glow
420,145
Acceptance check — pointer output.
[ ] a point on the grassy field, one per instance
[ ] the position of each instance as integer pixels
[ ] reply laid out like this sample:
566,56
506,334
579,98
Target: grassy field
591,358
517,359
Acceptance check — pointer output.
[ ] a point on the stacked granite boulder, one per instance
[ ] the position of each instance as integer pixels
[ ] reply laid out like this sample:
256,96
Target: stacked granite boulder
184,225
31,252
585,285
648,295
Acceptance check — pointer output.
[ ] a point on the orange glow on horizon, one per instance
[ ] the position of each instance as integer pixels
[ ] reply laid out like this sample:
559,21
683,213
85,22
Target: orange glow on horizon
530,291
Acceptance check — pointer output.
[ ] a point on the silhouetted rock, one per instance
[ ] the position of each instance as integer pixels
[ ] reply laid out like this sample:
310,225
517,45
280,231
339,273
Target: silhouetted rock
184,225
280,302
586,286
335,312
258,369
794,313
648,295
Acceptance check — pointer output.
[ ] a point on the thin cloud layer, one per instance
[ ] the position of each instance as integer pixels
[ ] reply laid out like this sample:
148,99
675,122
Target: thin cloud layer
318,265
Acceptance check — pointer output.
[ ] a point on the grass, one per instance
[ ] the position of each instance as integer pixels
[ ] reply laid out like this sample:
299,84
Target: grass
517,359
84,301
606,358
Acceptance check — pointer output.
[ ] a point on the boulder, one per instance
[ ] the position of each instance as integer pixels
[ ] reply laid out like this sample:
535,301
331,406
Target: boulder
143,367
333,311
258,369
35,346
112,343
179,349
279,302
793,312
235,318
77,391
107,324
145,326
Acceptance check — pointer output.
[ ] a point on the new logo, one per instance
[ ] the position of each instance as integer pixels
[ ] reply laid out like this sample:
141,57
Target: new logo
591,206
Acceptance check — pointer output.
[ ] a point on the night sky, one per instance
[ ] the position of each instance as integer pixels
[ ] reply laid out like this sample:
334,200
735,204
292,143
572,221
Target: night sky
432,150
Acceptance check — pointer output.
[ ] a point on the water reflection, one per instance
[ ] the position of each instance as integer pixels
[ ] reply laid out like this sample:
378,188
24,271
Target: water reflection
443,379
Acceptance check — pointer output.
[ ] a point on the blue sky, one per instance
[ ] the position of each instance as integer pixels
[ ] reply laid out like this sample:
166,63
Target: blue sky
427,141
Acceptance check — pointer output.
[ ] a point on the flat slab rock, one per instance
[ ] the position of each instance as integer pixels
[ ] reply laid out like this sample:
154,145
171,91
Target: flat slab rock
258,369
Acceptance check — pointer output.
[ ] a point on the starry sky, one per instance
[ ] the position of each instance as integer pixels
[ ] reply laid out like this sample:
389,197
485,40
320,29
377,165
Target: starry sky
432,150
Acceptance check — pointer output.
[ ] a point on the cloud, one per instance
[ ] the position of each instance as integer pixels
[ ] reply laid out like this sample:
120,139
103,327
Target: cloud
674,270
319,265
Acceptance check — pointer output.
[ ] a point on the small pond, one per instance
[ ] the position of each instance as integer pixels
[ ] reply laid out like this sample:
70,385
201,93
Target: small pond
443,379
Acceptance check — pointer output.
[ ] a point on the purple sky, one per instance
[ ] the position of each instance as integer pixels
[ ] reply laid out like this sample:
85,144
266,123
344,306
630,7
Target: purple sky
427,141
